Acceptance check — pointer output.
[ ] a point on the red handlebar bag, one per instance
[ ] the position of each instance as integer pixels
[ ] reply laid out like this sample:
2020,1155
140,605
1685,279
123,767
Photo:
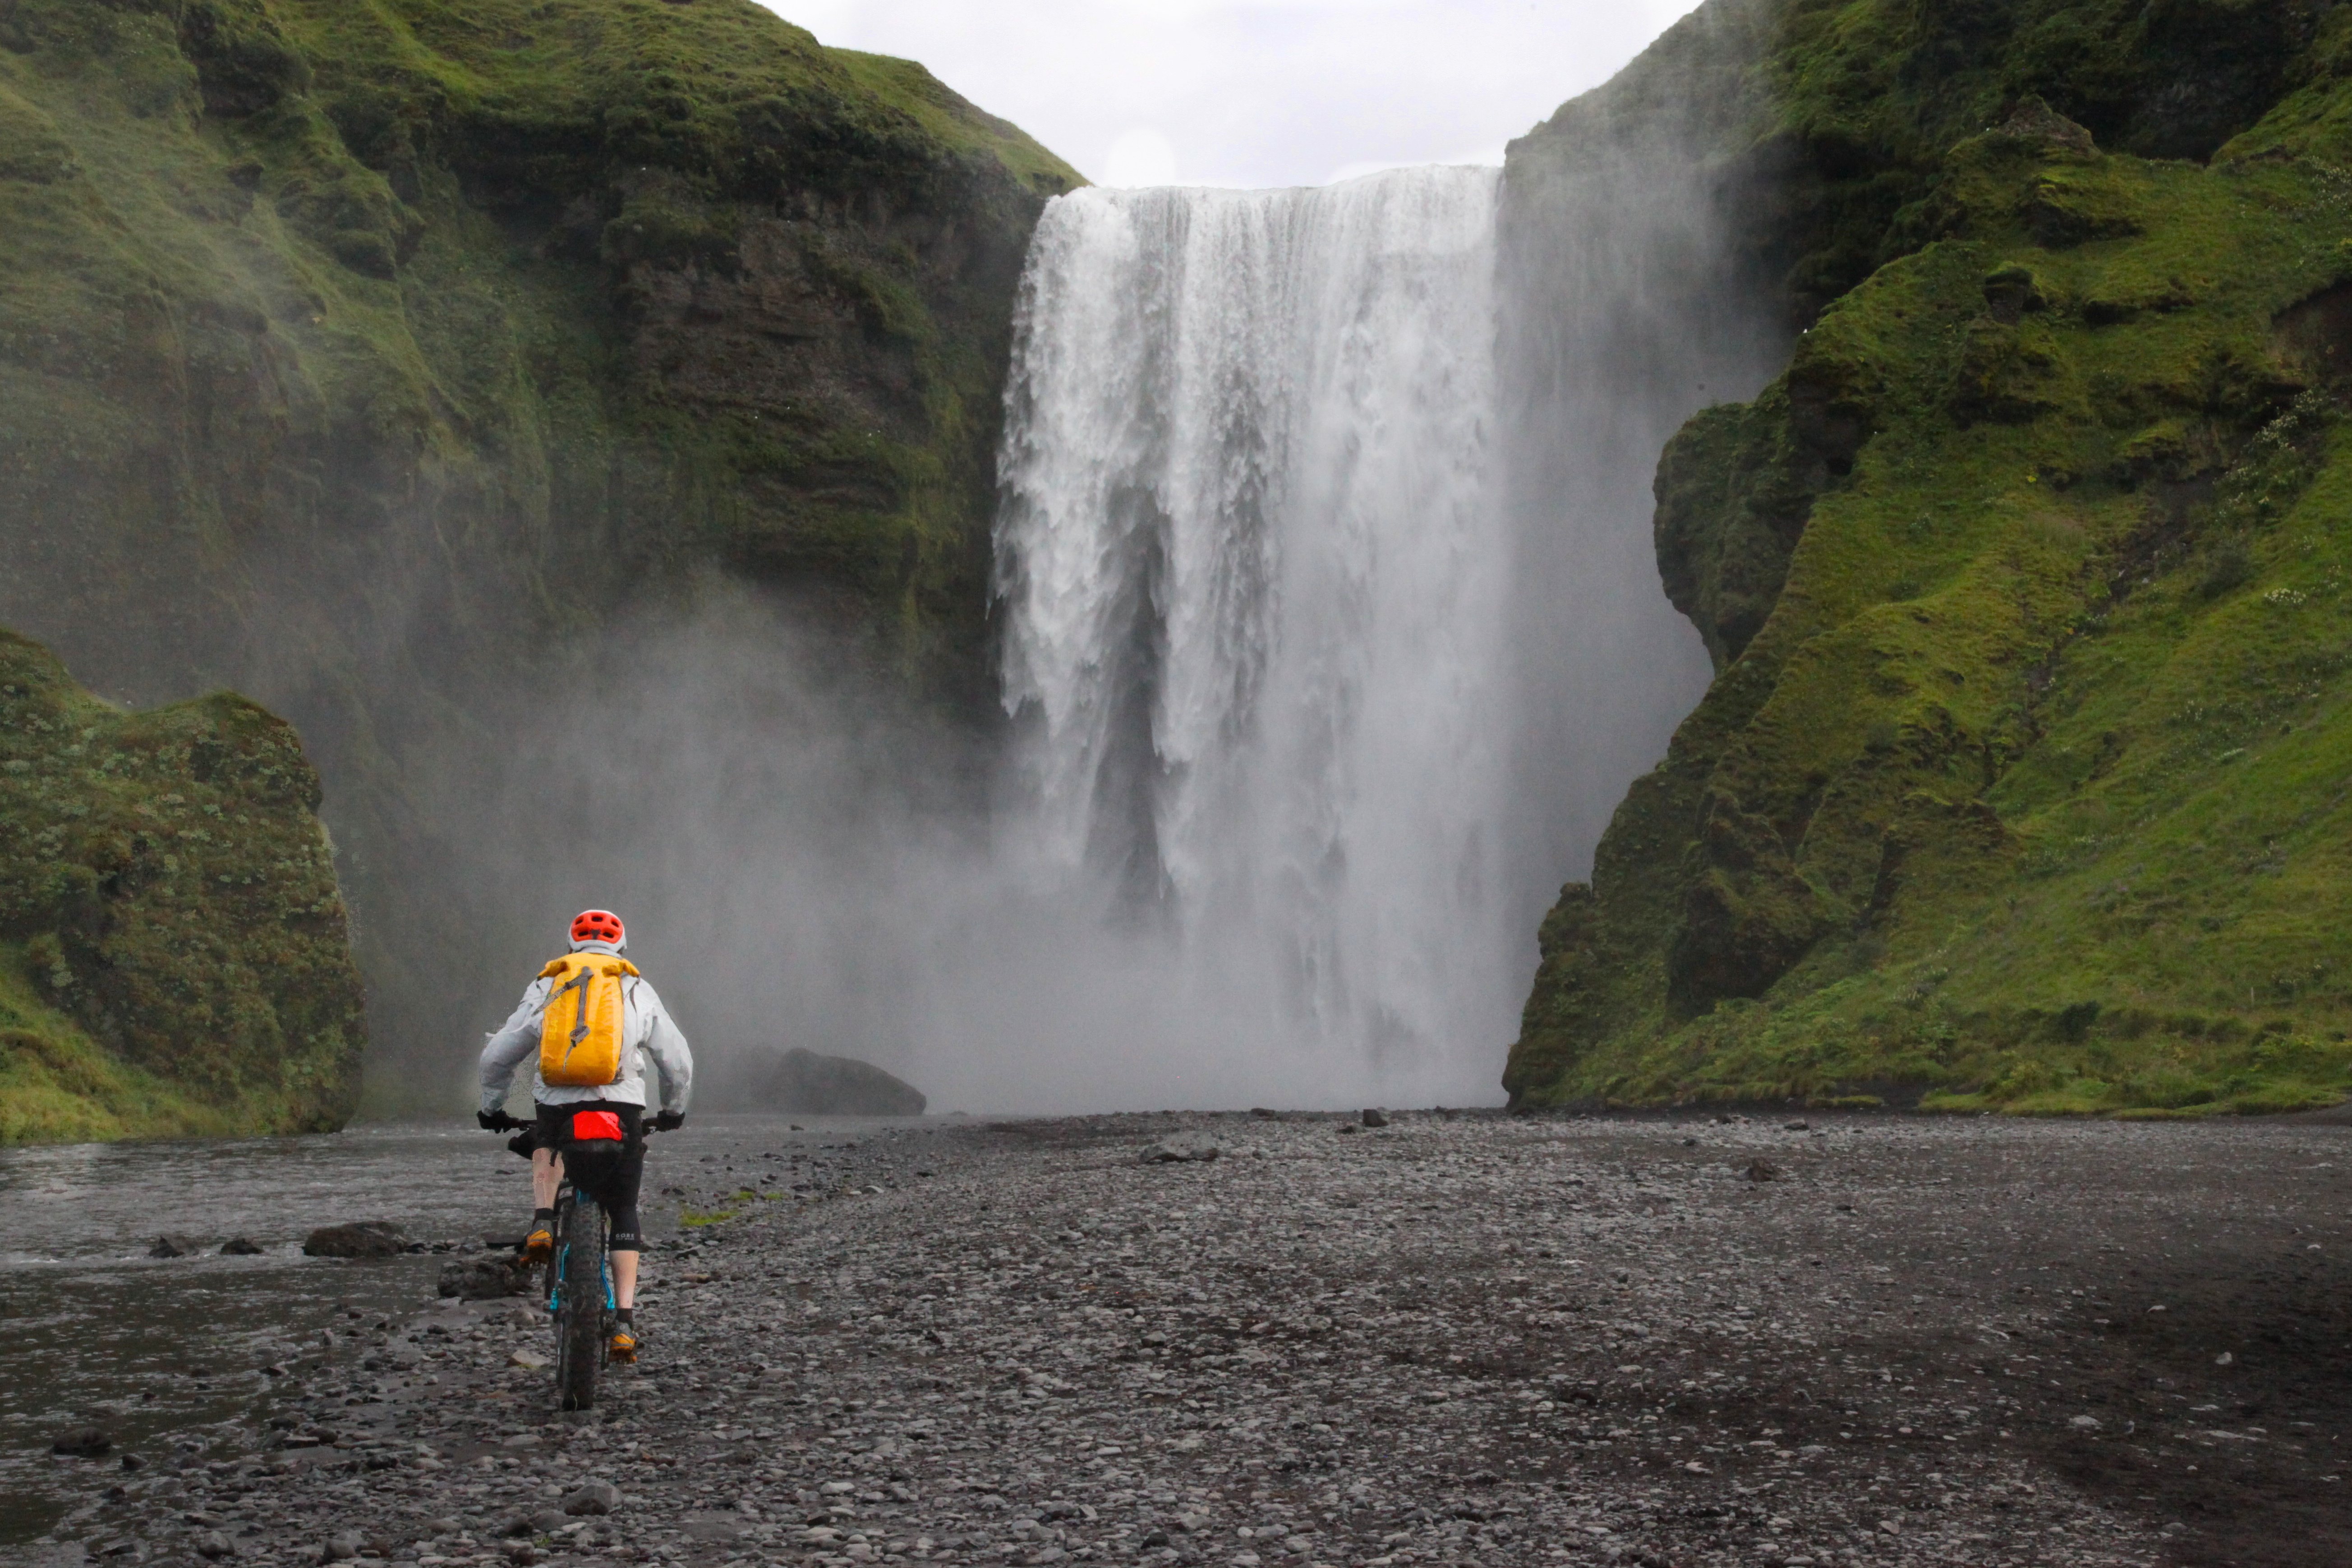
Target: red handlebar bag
588,1126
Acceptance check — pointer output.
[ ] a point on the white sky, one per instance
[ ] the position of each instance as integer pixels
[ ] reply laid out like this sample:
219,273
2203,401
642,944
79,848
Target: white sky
1256,92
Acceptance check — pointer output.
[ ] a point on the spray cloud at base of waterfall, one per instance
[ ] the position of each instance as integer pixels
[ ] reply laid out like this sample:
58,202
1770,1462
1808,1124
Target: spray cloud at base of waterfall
1331,634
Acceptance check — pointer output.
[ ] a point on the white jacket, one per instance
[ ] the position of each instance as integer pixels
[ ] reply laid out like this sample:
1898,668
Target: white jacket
645,1027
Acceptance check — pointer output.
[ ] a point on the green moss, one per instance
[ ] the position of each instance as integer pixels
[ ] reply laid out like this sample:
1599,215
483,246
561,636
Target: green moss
1828,122
173,950
2026,793
353,350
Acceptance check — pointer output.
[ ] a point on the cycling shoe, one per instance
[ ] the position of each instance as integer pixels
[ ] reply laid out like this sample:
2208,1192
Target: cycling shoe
624,1345
539,1246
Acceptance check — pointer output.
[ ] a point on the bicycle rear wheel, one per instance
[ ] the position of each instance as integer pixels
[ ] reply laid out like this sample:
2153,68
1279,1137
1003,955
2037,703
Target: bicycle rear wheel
580,1328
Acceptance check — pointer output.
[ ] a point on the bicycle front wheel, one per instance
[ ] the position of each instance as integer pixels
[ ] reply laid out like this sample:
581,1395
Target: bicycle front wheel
580,1318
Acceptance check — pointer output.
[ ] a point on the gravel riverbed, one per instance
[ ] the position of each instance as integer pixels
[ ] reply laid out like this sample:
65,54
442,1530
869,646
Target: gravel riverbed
1455,1339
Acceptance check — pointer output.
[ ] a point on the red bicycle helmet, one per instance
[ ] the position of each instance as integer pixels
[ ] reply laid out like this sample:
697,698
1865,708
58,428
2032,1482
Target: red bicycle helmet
598,925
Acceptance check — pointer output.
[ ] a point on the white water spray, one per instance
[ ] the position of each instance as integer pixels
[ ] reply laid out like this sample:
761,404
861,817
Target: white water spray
1257,588
1331,636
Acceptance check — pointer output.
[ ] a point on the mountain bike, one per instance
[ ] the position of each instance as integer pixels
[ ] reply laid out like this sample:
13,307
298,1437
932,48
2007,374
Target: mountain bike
578,1289
580,1295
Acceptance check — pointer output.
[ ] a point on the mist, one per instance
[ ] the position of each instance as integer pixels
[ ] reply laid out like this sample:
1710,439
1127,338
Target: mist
1331,636
1326,634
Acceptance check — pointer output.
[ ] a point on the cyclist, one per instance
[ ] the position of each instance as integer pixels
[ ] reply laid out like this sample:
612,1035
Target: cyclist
644,1030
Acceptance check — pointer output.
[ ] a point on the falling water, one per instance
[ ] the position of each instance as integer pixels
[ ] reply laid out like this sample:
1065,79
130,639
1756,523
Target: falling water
1255,589
1331,636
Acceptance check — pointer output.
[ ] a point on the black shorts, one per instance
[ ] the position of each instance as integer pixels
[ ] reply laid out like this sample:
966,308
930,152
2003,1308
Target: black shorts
610,1177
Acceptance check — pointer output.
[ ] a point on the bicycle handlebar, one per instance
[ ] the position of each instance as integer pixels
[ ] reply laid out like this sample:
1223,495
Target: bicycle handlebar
506,1123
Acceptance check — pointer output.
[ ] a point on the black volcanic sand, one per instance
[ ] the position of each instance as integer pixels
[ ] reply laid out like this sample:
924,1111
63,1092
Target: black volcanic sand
1458,1338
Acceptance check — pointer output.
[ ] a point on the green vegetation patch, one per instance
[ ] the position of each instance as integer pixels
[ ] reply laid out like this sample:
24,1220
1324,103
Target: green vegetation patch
2025,783
366,354
172,947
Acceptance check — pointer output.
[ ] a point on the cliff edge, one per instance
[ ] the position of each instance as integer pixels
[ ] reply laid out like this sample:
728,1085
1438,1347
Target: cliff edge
2022,783
173,953
377,357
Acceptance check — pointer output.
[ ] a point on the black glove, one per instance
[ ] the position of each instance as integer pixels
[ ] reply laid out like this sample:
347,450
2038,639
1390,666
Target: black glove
496,1120
669,1121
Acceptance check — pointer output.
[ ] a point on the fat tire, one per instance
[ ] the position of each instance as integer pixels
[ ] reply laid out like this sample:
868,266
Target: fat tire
579,1320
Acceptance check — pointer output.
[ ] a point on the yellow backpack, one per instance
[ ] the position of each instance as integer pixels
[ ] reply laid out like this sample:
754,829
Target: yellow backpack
579,1032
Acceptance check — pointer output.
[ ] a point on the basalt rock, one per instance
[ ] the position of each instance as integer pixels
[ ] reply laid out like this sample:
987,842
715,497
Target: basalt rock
174,951
804,1082
362,1238
483,1278
2004,794
380,361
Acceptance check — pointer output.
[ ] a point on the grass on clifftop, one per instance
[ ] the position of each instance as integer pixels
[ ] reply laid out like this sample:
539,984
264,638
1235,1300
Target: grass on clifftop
2033,791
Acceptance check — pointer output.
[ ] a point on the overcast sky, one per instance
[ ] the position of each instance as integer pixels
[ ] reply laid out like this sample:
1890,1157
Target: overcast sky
1256,92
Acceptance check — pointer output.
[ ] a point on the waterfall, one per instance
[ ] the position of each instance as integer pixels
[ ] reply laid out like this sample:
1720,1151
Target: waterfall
1331,636
1255,591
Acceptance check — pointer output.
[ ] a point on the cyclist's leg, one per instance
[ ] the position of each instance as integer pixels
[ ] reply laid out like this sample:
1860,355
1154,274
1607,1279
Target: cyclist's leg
546,1173
620,1200
615,1186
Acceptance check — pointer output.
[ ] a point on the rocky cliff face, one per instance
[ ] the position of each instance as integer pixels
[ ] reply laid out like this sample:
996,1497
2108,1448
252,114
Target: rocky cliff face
369,357
173,957
2018,784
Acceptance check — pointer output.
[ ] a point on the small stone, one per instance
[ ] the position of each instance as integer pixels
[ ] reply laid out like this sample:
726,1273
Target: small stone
1179,1149
1891,1526
1347,1127
1762,1171
343,1547
1797,1126
529,1360
83,1443
213,1546
1375,1117
596,1497
242,1247
2224,1359
484,1276
174,1247
2084,1423
365,1239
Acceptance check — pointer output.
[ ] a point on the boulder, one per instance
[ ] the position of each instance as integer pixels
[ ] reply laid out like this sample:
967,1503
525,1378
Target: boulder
242,1247
174,1247
485,1276
806,1082
1375,1117
83,1443
364,1238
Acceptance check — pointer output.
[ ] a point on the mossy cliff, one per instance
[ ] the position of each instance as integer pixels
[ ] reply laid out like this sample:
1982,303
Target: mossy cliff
365,355
2023,780
173,952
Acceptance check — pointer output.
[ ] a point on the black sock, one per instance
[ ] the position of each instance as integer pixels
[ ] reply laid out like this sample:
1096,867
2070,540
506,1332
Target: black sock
627,1315
542,1219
